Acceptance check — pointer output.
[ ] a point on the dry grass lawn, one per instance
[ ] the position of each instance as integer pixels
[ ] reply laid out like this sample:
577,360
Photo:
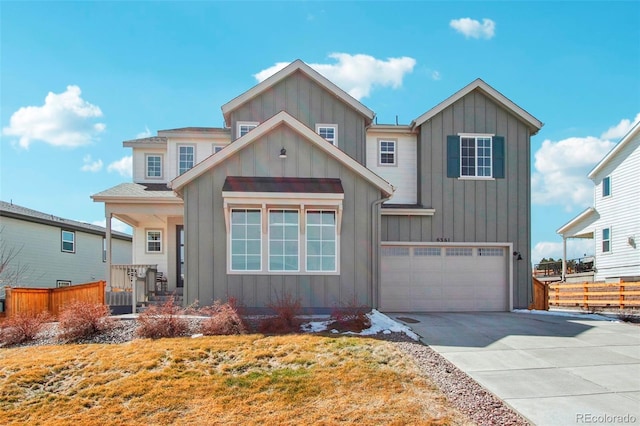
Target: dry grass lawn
250,379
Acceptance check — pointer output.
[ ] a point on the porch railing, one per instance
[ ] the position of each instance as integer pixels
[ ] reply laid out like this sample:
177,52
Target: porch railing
554,268
131,283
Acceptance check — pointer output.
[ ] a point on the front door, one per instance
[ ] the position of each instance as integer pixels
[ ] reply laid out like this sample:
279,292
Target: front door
180,255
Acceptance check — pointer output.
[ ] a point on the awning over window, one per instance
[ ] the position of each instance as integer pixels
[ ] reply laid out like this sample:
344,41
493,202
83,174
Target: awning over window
283,184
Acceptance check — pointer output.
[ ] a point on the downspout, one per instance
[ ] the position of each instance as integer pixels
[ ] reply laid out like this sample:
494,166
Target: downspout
376,229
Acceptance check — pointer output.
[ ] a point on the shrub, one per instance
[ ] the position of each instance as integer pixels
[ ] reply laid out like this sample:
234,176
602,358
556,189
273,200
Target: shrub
287,310
350,317
22,327
162,321
80,320
224,319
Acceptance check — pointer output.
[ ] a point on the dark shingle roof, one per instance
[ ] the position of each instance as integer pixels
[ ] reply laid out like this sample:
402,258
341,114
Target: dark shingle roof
283,184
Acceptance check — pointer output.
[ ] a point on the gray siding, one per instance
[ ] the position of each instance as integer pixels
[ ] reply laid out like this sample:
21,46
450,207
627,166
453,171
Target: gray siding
311,104
473,210
206,238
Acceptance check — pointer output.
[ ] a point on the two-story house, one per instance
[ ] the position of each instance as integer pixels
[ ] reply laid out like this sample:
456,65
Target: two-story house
613,223
303,193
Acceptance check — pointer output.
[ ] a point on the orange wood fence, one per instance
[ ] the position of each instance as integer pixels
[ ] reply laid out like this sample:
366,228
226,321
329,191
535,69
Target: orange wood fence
587,295
540,295
53,300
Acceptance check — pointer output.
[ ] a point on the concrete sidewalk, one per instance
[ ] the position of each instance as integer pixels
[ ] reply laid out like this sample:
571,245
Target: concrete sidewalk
552,369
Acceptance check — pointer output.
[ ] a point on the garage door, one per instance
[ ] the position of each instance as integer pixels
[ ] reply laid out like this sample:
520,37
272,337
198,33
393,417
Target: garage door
444,279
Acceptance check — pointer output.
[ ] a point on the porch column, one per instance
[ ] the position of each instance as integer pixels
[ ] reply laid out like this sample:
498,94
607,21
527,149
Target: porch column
564,259
108,216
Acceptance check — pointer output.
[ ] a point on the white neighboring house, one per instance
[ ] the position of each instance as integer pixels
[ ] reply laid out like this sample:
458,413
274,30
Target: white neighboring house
49,251
614,220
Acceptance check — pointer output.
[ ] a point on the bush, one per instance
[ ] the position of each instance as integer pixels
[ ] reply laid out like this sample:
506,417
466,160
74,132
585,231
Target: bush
80,320
224,319
22,327
286,321
350,317
162,321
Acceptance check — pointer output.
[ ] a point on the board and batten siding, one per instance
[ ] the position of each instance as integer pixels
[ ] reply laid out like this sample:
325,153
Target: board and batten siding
310,104
466,210
402,175
41,253
621,213
206,276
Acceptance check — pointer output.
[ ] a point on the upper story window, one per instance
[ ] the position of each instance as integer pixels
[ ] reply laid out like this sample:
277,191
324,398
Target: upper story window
68,241
606,240
245,127
186,158
217,148
606,186
154,166
328,132
387,152
154,241
475,156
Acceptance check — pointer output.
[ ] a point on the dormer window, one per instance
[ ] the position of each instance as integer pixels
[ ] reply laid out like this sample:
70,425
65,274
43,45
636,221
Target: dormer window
329,132
245,127
154,166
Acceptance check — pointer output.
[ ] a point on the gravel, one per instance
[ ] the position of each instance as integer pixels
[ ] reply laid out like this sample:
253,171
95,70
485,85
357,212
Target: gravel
480,405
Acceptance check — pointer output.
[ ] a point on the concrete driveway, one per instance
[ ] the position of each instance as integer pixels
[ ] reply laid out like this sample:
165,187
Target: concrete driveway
552,369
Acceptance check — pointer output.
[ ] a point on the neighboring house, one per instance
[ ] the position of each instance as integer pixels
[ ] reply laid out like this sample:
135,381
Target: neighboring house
49,251
303,193
614,220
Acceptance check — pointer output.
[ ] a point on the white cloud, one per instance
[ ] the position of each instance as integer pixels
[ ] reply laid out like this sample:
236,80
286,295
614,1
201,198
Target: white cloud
65,120
576,248
561,169
122,166
357,74
620,129
145,134
474,29
90,165
116,225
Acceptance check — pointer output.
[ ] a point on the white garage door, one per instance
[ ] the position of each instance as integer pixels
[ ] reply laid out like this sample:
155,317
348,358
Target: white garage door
444,279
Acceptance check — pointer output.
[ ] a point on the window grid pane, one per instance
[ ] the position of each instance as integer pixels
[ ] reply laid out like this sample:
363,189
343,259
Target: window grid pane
387,152
154,166
246,240
246,128
321,240
283,240
154,241
68,241
328,133
606,240
186,158
476,156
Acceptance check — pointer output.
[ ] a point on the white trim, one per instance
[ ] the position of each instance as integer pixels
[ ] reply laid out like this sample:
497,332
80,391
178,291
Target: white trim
146,165
395,152
607,178
614,151
609,240
62,241
147,241
239,124
584,215
185,145
475,137
407,212
329,126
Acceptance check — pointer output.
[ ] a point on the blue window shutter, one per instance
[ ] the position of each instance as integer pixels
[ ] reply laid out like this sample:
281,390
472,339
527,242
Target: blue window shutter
498,157
453,156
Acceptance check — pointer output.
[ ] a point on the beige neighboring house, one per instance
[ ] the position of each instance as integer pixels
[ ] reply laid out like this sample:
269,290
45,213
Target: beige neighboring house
613,223
50,251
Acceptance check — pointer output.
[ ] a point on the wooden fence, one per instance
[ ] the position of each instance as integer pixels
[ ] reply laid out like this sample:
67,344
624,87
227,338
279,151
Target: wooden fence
540,295
588,295
53,300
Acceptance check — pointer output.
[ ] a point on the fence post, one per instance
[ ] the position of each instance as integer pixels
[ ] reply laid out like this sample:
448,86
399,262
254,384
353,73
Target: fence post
621,290
585,296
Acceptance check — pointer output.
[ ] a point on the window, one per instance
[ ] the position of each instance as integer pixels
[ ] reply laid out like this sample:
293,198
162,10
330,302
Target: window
427,251
328,132
246,240
284,231
606,240
154,166
606,186
63,283
104,249
154,241
321,240
186,158
245,127
490,252
217,148
68,241
458,251
387,152
475,156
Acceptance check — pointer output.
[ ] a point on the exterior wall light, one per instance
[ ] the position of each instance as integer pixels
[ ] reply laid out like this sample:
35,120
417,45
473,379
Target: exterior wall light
283,153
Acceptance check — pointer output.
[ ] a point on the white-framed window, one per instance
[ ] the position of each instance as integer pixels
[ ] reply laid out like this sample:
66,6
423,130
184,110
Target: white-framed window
606,186
322,238
606,240
458,251
186,158
217,148
68,243
490,251
387,155
104,249
427,251
284,240
329,132
63,283
153,166
245,127
475,156
246,240
154,241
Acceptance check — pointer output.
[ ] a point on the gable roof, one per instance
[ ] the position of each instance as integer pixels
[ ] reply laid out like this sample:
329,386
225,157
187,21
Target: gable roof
635,130
293,67
479,84
281,118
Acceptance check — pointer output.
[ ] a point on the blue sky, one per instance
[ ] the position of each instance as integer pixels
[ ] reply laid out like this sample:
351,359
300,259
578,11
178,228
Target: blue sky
78,78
